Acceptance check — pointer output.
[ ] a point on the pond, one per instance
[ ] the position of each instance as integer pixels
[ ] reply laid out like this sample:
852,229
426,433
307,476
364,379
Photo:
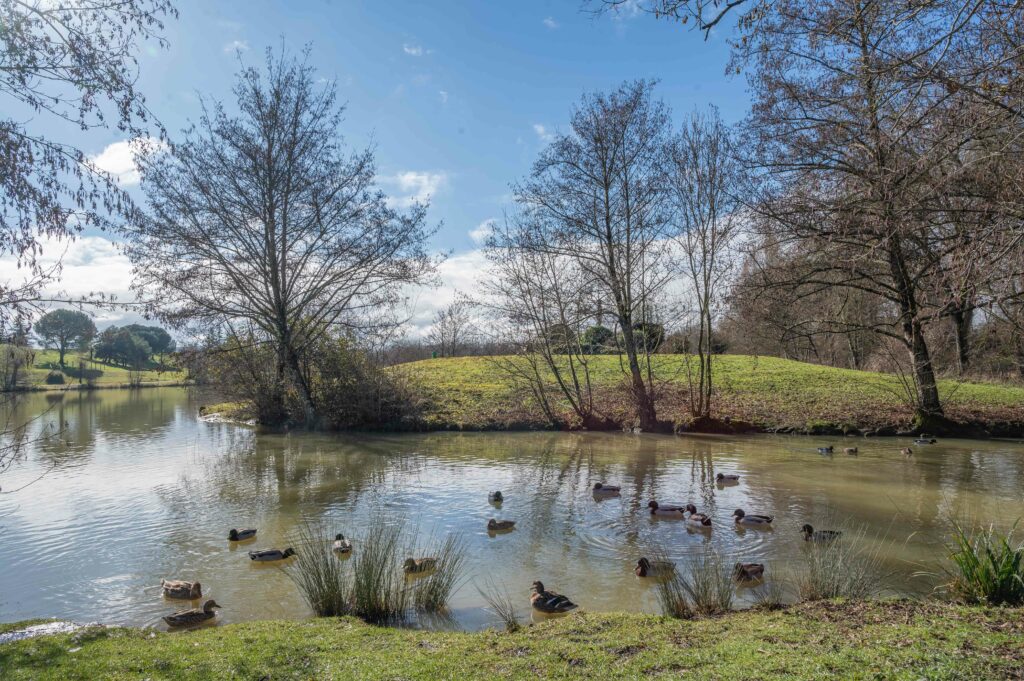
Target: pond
137,488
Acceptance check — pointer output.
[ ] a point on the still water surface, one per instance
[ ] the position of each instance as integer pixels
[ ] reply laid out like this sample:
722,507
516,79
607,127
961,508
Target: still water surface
138,488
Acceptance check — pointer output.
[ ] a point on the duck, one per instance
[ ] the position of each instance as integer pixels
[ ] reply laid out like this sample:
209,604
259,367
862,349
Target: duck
850,450
601,488
727,477
177,588
548,601
500,525
925,441
907,451
241,535
753,520
668,510
495,497
748,572
419,565
341,545
697,519
658,568
268,555
826,450
185,618
810,534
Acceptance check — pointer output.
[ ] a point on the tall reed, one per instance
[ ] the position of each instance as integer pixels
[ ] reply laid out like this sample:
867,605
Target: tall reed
432,593
987,567
317,572
842,568
379,591
501,604
702,587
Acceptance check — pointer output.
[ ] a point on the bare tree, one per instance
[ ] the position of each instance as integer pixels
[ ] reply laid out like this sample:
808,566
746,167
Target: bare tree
263,220
597,195
451,327
706,181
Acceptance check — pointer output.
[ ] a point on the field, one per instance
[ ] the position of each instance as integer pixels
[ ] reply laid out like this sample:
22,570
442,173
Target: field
891,640
111,376
772,393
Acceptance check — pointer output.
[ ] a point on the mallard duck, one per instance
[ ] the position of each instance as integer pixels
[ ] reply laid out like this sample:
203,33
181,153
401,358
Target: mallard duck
697,519
268,555
752,520
185,618
748,572
810,534
241,535
341,545
495,497
548,601
419,565
925,441
658,568
907,451
601,488
826,450
668,511
727,477
500,525
177,588
850,450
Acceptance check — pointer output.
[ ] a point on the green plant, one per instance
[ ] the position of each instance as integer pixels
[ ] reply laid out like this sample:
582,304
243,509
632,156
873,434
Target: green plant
771,593
842,568
431,593
379,591
55,378
703,587
501,604
988,568
319,574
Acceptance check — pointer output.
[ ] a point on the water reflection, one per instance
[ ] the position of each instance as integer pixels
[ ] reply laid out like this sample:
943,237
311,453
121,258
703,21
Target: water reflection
141,490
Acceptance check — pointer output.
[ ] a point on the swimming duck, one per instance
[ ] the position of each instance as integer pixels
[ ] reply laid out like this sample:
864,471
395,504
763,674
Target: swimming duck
601,488
810,534
925,441
500,525
826,450
548,601
495,497
754,520
907,451
668,510
850,450
658,568
748,572
727,477
177,588
268,555
185,618
697,519
419,565
341,545
241,535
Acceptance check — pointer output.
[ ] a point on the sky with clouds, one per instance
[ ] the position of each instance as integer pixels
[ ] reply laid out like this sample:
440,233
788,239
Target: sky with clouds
457,98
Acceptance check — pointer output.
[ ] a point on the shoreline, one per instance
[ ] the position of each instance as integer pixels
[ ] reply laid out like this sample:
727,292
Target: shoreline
83,387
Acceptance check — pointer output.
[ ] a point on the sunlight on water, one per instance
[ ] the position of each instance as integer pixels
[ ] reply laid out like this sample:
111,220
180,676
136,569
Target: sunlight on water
136,488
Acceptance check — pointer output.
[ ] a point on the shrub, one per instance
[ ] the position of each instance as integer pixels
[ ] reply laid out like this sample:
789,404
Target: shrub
55,378
987,567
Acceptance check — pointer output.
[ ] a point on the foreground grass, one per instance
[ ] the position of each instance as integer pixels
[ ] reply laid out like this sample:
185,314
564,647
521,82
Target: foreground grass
892,640
474,393
47,361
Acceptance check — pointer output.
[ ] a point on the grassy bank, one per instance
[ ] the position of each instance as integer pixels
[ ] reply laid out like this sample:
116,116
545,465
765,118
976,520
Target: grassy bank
892,640
772,393
103,375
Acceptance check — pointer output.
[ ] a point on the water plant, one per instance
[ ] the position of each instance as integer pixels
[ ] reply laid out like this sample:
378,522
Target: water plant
379,590
702,587
845,567
501,603
987,567
432,593
319,575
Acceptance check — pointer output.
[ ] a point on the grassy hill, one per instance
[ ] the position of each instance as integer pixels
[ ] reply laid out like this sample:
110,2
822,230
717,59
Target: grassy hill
45,361
891,640
773,393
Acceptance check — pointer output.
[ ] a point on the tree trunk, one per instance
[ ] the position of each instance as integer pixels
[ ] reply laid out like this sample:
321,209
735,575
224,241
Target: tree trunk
646,412
963,320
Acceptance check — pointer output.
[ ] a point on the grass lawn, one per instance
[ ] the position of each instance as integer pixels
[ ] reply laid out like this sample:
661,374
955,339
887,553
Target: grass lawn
475,393
891,640
46,361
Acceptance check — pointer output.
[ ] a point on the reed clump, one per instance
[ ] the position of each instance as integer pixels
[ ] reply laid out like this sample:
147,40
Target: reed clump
987,567
501,603
432,592
703,586
845,567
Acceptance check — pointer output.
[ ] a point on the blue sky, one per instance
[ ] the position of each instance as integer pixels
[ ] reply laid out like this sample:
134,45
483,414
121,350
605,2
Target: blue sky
458,97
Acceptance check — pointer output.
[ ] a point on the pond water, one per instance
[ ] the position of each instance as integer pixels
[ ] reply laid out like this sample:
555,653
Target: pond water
137,488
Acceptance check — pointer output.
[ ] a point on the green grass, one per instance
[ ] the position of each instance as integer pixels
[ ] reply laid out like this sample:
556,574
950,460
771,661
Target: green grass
891,640
474,393
46,361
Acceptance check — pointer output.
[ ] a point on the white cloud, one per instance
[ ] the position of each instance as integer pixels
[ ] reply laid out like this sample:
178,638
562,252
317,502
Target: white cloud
414,50
550,23
480,233
415,186
443,94
236,46
543,133
118,159
458,273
